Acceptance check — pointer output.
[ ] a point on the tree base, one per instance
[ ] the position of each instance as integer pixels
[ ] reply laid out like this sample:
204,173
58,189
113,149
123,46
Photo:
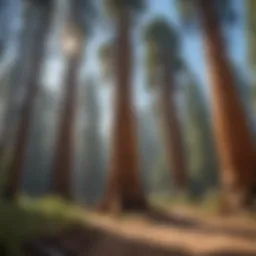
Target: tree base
62,193
9,194
119,205
236,204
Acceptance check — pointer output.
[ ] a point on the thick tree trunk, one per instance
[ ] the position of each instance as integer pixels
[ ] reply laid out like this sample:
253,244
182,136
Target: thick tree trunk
171,129
13,185
63,159
123,188
233,139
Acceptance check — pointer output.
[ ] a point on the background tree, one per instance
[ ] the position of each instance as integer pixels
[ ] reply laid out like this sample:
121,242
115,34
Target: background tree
77,27
234,143
92,154
163,62
123,188
200,150
16,80
42,12
36,167
244,88
149,148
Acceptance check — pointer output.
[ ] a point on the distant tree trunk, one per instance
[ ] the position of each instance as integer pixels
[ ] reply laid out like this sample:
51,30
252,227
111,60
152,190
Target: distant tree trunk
92,151
63,159
15,172
171,128
15,83
123,188
233,139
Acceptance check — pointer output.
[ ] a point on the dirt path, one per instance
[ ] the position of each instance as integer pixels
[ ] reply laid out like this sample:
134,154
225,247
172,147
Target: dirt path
179,233
184,231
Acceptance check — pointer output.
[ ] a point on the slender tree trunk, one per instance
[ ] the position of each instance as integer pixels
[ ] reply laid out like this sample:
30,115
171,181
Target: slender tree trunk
15,172
15,83
63,159
123,189
171,128
233,139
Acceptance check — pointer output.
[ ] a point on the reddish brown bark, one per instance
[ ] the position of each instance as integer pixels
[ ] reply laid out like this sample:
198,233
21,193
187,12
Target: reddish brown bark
13,184
171,128
123,188
63,158
233,139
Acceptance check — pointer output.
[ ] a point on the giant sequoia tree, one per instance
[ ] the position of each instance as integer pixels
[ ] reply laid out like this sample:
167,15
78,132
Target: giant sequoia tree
163,62
78,23
42,17
123,189
234,142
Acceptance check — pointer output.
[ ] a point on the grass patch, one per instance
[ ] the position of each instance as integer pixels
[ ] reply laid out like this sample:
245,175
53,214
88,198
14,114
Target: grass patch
170,201
208,203
27,219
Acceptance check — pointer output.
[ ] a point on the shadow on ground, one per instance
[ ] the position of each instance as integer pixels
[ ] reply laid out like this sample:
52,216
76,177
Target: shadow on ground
159,217
86,241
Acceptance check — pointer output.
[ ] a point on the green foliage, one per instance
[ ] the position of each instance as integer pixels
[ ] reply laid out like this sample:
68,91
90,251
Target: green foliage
83,14
27,219
115,6
186,10
164,37
162,34
171,200
106,57
151,66
224,10
42,4
208,204
161,40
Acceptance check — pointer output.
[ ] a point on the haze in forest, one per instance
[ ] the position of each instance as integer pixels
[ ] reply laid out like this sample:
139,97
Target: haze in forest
128,124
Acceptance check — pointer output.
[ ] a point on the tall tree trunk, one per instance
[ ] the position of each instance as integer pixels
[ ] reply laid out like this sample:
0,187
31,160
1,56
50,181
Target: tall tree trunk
63,159
123,188
15,172
16,81
233,139
171,128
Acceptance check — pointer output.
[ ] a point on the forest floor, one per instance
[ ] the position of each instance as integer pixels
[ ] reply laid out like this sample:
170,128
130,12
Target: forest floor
180,231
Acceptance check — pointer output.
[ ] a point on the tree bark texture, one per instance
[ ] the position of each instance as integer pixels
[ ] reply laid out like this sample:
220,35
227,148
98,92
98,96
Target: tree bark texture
123,188
234,141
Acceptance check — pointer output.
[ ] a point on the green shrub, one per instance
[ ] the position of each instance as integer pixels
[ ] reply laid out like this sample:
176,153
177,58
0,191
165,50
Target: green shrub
28,218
